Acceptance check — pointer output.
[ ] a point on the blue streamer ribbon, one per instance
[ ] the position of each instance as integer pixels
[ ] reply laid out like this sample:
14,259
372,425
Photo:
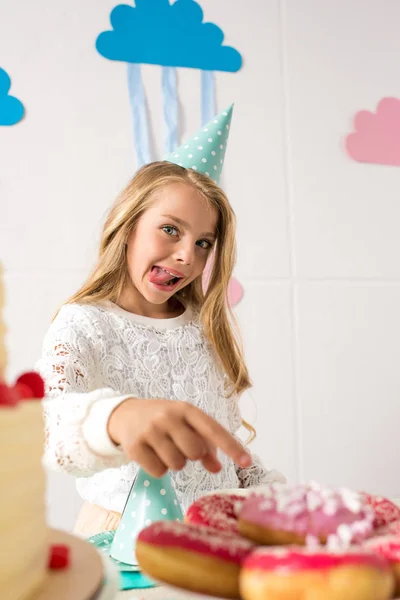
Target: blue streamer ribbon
208,104
170,99
139,115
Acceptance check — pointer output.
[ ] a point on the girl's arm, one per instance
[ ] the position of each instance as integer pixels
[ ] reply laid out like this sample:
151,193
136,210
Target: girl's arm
76,413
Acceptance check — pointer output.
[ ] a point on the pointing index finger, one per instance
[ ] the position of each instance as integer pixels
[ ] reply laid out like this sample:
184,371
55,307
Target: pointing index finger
213,432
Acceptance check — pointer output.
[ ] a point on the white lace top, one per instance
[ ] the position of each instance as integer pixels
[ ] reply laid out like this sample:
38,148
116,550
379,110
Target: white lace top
94,357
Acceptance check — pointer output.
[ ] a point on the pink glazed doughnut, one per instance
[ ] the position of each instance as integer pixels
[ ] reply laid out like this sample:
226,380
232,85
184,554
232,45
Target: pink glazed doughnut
305,514
219,511
388,546
192,557
294,573
385,511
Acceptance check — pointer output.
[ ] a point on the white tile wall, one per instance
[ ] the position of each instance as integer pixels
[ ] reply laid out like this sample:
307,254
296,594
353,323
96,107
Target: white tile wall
317,233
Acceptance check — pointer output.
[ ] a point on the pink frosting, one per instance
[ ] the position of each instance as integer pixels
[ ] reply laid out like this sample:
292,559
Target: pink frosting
387,546
219,511
196,538
311,510
392,528
385,511
290,559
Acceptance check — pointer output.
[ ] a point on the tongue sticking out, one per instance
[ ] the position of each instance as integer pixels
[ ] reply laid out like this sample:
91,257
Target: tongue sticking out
159,276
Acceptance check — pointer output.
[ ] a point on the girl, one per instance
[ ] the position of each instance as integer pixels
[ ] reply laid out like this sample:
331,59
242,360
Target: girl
141,367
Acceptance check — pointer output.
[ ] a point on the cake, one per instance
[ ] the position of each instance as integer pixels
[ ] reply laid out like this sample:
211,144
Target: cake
36,563
23,530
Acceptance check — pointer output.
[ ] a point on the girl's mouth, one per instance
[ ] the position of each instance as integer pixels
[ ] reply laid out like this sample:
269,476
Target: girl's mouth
163,279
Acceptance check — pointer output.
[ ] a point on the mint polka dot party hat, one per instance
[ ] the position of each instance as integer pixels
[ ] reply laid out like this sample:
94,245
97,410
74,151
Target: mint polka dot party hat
205,151
149,500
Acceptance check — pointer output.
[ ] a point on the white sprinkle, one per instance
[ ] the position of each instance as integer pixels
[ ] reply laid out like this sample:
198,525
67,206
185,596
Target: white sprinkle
222,146
162,492
147,502
199,147
176,155
122,526
205,129
148,522
219,132
176,502
190,155
146,483
133,514
210,139
134,495
196,138
221,161
186,146
121,546
207,173
213,153
225,114
215,167
227,126
194,167
203,160
215,121
164,511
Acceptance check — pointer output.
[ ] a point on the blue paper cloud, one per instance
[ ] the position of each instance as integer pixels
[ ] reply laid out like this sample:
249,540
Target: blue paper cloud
11,109
171,35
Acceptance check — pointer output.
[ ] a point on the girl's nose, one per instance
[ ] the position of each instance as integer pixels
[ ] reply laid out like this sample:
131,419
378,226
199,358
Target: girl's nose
185,253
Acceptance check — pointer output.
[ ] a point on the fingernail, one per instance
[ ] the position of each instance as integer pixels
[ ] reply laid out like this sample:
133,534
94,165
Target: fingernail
245,460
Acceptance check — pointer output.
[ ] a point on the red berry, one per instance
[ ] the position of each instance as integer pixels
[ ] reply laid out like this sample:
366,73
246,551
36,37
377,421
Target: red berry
23,391
58,557
8,396
34,382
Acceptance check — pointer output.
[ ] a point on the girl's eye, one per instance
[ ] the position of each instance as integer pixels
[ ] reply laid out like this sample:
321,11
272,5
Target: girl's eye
170,230
205,244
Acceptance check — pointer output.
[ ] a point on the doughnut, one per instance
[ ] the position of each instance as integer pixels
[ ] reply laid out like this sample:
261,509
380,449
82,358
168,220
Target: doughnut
295,573
219,511
305,514
385,511
192,557
388,546
391,529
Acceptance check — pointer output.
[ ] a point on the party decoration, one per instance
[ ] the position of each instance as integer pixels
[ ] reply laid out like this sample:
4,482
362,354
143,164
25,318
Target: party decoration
205,151
11,109
377,135
172,35
149,500
235,289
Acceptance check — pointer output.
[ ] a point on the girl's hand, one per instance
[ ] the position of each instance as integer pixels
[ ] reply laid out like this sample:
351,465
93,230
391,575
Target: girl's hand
164,434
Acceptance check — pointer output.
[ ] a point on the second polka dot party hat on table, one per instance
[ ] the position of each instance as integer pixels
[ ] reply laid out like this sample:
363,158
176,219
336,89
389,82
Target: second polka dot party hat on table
205,151
149,500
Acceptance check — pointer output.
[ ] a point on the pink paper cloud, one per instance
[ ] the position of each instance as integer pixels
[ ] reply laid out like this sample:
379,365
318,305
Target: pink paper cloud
377,135
235,289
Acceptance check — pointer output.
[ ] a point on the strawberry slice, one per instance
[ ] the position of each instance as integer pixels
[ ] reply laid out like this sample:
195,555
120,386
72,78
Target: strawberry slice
59,557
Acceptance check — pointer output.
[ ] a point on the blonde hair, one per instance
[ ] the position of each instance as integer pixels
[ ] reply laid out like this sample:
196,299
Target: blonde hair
108,277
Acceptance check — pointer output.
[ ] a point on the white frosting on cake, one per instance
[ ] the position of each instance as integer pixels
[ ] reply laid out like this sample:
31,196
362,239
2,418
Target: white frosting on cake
23,532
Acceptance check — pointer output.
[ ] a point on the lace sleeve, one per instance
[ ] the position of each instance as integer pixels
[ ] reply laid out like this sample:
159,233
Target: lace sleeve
68,366
257,473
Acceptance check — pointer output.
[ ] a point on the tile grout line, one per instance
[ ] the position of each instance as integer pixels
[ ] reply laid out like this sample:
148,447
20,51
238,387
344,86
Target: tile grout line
287,171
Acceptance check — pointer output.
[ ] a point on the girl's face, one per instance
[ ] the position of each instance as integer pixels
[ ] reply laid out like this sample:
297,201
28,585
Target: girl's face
168,248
